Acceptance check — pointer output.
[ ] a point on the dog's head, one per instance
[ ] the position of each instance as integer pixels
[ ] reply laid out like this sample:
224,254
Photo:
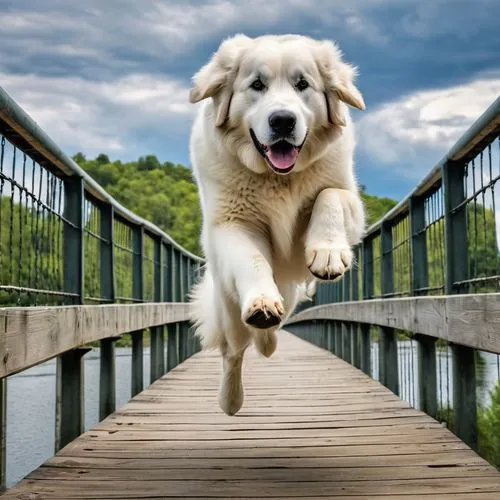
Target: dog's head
278,100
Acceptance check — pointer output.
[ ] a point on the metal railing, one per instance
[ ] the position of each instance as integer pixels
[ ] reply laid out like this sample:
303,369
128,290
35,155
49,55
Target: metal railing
428,275
94,269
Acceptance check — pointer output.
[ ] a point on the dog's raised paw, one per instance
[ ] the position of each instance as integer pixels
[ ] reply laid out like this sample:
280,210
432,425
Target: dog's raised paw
263,313
329,262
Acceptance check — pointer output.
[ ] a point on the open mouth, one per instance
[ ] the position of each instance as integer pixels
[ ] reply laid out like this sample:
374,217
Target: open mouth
280,156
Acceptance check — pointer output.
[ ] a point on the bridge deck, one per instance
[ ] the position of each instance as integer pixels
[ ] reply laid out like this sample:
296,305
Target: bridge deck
311,427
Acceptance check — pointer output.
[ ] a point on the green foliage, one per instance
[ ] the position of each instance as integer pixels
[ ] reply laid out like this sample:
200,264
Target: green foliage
489,428
376,207
163,193
30,252
483,251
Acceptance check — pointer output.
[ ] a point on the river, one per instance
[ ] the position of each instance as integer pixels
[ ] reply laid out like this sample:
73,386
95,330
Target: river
31,399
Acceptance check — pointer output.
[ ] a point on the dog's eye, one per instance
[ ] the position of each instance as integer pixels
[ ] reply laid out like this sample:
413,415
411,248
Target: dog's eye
257,85
302,84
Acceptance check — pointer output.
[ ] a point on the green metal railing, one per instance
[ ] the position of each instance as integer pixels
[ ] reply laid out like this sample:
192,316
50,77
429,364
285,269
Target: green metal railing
428,276
64,241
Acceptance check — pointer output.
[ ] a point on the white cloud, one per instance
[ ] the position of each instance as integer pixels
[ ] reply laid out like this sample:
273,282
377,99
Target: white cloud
100,116
404,133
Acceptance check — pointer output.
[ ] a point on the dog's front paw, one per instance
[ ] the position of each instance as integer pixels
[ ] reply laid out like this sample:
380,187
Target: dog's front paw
263,312
328,262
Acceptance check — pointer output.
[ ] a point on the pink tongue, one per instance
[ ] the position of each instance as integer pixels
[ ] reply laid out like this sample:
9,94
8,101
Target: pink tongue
283,160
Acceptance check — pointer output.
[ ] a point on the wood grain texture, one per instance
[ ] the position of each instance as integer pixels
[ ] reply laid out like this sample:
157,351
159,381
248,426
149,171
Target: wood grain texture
296,436
472,320
31,335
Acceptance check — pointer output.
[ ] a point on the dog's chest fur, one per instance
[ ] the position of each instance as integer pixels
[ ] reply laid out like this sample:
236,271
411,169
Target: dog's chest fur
278,207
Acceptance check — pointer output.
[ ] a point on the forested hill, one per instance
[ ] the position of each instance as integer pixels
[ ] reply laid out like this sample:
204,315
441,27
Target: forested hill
165,194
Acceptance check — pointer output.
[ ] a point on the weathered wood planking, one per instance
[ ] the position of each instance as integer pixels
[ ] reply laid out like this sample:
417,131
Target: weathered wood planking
172,441
31,335
472,320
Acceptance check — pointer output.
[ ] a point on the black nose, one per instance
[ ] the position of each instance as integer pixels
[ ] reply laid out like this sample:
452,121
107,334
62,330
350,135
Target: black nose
282,122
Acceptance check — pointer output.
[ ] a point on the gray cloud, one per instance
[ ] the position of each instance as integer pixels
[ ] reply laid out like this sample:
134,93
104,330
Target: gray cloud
114,76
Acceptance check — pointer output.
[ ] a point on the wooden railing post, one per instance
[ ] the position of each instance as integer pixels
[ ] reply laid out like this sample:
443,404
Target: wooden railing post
346,326
107,378
70,407
456,244
157,349
107,382
171,296
427,378
364,330
367,268
107,253
137,378
339,348
70,396
330,338
73,241
354,295
324,334
180,298
388,349
138,292
3,433
365,348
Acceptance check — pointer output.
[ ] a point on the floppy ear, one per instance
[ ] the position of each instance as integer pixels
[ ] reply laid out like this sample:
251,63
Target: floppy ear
338,78
216,77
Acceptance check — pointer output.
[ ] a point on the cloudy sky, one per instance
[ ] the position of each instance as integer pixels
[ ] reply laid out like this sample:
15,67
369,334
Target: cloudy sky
113,76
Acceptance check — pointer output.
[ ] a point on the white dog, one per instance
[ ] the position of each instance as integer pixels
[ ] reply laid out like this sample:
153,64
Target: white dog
272,152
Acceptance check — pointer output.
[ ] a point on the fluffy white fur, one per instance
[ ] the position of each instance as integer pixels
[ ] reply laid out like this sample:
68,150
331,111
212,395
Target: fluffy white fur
267,237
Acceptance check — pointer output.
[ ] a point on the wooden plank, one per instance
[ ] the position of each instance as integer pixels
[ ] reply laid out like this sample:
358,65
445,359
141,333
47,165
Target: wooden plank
472,320
323,474
349,438
159,424
436,460
336,487
31,335
140,450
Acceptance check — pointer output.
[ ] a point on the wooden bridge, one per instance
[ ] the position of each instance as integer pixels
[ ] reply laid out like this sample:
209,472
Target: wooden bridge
359,400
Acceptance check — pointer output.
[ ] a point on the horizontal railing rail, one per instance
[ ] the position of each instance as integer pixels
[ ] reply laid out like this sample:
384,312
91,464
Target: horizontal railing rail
420,309
76,268
471,320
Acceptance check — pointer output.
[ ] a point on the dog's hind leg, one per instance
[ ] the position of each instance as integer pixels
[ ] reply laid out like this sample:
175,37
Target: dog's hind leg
265,342
231,392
